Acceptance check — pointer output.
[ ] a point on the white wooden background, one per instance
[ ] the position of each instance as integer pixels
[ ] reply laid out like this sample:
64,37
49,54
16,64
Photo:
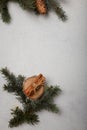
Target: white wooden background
32,45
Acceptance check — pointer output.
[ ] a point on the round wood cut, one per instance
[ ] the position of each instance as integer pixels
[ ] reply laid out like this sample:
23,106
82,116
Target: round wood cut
33,87
41,6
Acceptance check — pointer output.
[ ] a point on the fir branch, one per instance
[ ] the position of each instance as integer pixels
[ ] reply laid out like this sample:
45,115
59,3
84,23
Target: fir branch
28,4
52,107
9,87
5,14
31,118
10,77
58,9
14,84
19,117
54,90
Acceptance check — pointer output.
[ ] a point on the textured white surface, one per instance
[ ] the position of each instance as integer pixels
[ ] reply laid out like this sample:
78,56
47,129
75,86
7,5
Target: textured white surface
32,45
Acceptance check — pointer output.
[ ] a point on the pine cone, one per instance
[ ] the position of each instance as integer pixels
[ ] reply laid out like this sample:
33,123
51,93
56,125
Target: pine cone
41,6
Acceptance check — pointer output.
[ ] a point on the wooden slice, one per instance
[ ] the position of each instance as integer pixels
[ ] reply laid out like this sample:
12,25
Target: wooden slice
41,6
33,87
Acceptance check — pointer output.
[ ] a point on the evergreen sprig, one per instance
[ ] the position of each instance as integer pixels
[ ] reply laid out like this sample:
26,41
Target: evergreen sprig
30,5
20,116
58,9
30,107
